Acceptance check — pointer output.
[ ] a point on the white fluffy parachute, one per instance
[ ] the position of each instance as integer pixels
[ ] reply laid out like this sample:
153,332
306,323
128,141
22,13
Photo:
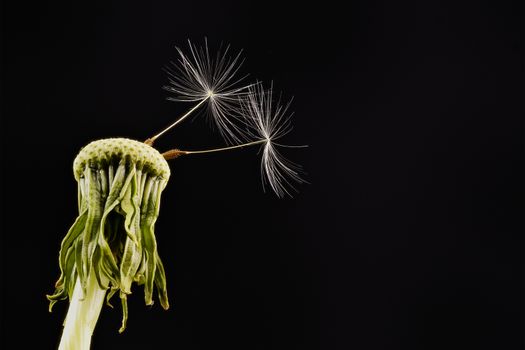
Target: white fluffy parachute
244,114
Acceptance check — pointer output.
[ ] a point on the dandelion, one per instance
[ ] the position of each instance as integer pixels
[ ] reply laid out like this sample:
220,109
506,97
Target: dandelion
112,244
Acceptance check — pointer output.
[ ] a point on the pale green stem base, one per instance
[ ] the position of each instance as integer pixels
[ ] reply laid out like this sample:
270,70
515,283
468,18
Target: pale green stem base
82,316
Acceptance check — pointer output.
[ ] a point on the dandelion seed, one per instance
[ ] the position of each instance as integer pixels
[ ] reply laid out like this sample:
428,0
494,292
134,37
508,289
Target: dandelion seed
269,122
265,123
198,77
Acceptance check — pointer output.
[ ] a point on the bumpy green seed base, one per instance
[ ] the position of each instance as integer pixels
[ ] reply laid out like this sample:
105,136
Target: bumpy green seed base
107,150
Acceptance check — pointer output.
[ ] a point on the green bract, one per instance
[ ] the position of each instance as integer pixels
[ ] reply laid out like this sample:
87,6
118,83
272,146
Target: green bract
120,182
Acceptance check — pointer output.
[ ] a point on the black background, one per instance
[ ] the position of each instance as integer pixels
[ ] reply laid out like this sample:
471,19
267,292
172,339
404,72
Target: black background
409,235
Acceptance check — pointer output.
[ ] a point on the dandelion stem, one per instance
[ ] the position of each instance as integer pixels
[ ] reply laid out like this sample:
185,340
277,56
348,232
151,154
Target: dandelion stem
82,315
174,153
152,139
